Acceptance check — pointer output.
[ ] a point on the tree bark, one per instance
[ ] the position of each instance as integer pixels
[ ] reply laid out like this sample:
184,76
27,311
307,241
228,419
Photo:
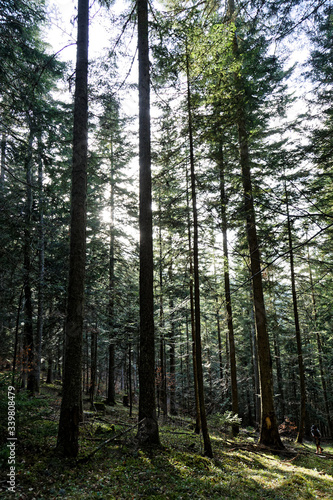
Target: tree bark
277,356
93,366
148,427
301,427
219,341
320,353
3,158
232,351
130,377
172,351
163,402
70,413
256,385
111,398
29,344
194,355
41,266
16,342
204,427
269,434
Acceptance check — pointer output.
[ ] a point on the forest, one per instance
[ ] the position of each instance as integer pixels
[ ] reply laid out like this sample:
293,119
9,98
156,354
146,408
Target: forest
166,232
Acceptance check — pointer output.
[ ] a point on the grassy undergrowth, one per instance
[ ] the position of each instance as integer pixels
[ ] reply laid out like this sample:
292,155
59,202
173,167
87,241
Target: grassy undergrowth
176,470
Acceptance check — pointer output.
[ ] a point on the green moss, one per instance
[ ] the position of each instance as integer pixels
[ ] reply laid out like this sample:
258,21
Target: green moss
176,471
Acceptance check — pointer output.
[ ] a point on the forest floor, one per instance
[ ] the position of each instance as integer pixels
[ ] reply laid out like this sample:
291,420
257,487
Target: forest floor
240,468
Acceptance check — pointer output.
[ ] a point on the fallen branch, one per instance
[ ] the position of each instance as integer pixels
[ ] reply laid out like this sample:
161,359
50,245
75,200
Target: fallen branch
113,438
292,459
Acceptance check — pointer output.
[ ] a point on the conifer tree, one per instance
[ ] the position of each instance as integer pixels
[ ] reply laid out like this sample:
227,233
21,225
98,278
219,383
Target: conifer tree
268,428
71,404
148,426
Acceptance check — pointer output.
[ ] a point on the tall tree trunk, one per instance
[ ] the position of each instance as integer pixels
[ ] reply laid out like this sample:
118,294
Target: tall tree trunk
162,380
194,354
301,428
111,397
41,267
269,433
207,444
320,352
16,342
3,158
29,344
93,367
70,413
130,393
277,356
256,385
232,351
172,351
219,341
148,428
49,377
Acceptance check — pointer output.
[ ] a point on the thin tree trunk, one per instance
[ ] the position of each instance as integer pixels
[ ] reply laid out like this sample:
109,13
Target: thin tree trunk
320,352
162,381
172,355
207,444
148,427
3,158
49,378
256,385
301,428
86,365
41,266
111,398
188,383
219,341
194,355
277,356
130,377
279,377
71,405
93,366
16,343
232,351
29,344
